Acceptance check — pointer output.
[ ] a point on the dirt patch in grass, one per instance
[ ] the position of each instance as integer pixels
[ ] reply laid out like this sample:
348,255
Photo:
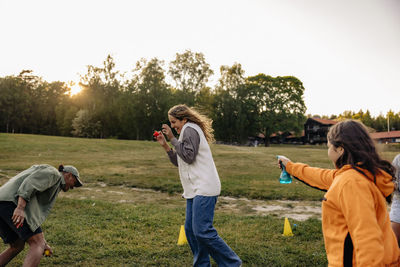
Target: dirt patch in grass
297,210
119,194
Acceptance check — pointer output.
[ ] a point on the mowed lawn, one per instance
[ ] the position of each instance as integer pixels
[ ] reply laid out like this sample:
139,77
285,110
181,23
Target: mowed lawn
144,232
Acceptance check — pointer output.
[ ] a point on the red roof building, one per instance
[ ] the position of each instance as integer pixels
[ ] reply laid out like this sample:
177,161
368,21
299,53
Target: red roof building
386,137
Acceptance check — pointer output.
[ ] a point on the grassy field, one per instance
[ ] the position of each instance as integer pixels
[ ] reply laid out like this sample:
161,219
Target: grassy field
115,220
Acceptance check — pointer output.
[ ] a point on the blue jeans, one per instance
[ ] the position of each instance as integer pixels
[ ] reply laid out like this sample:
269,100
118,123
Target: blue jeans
202,236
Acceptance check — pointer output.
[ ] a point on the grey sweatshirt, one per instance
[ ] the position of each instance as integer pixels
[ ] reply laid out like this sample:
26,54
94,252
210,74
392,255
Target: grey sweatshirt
187,149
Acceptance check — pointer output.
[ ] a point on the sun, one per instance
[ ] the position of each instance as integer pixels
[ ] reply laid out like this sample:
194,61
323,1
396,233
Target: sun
75,88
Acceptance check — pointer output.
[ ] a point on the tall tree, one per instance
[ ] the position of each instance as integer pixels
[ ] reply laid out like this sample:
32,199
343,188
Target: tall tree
190,72
380,123
54,95
347,114
128,115
100,94
44,97
152,97
28,103
204,101
235,106
65,112
395,122
367,119
84,126
14,104
280,103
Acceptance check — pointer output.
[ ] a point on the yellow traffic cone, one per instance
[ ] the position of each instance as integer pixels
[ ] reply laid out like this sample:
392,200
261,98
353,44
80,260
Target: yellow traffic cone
182,236
287,231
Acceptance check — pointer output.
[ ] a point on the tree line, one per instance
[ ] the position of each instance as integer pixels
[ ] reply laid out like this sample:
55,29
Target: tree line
381,123
132,105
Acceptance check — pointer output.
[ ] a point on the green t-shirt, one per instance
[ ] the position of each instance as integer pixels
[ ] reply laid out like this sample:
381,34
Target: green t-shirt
39,186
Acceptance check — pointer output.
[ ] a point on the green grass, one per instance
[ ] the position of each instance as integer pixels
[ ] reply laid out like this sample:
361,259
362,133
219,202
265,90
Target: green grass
244,171
90,227
109,234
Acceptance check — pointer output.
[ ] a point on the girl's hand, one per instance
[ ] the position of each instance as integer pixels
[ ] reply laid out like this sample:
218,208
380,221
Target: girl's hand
284,160
167,131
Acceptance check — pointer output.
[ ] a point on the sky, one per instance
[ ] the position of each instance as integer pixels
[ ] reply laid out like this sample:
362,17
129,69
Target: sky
346,52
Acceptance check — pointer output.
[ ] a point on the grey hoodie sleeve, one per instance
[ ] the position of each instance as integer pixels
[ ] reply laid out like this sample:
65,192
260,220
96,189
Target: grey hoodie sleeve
173,157
187,149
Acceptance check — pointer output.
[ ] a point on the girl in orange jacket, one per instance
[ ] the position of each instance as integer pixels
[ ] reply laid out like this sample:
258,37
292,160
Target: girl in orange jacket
355,221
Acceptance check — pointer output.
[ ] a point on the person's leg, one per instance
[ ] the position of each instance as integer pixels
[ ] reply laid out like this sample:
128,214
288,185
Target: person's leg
200,255
7,255
206,234
36,249
8,233
188,227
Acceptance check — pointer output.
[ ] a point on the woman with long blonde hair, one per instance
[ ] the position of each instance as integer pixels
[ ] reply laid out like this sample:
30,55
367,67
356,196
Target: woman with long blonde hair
200,182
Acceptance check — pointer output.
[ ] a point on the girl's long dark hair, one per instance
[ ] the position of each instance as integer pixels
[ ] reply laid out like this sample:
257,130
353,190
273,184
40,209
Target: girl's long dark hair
359,148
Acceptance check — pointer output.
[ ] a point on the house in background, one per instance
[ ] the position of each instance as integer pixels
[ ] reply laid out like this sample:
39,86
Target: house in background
277,138
316,129
287,138
295,139
386,137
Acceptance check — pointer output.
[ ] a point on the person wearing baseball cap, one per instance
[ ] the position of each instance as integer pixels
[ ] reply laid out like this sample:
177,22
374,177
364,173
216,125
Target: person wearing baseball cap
25,202
72,170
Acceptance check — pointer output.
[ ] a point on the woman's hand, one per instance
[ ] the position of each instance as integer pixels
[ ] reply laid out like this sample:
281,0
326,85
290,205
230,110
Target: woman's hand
167,131
282,159
161,140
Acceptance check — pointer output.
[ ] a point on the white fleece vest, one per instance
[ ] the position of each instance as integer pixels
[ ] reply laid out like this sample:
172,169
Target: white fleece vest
201,176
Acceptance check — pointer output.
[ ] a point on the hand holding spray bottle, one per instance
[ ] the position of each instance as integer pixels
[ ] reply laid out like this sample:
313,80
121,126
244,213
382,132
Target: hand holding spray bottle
285,177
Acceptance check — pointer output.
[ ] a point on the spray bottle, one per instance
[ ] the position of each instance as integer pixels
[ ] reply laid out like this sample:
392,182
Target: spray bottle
285,177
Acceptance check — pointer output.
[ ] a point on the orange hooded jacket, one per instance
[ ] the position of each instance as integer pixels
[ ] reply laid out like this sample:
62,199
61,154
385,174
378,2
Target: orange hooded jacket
355,221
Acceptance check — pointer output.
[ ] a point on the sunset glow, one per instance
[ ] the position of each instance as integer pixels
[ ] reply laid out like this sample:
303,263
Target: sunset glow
75,89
